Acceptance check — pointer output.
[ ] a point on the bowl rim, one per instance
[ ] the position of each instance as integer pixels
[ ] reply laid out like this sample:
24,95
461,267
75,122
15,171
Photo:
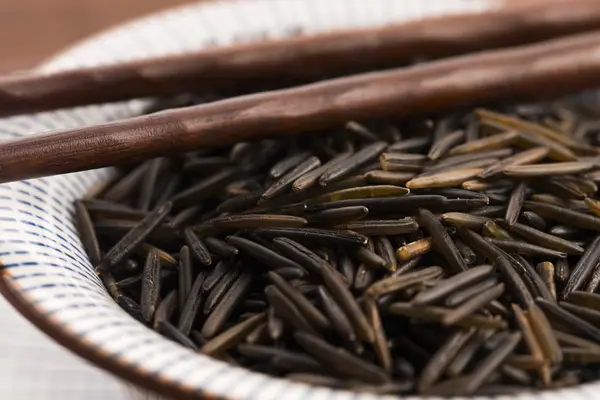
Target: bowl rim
123,371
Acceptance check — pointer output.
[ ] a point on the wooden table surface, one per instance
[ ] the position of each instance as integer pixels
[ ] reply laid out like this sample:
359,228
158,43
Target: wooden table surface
31,30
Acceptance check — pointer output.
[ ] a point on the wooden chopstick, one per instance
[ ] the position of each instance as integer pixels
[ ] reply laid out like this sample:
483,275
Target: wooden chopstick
551,68
300,59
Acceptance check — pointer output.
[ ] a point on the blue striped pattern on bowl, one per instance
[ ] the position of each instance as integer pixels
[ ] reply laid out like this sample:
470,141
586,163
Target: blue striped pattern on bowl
45,265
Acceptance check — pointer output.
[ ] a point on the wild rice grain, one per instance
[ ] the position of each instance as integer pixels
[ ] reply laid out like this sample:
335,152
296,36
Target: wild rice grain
151,284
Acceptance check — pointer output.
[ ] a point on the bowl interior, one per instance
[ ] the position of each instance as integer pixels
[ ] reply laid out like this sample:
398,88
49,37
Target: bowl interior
46,271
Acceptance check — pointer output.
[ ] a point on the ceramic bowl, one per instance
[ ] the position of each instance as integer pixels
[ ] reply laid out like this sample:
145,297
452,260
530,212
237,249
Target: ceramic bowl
46,274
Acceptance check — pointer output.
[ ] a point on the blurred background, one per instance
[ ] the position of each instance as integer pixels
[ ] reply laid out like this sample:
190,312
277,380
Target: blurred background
32,30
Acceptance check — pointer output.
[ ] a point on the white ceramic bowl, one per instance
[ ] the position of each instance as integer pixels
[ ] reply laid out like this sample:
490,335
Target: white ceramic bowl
46,273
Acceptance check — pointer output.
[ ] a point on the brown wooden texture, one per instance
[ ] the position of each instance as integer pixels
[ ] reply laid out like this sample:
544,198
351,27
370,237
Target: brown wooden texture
301,59
531,72
32,30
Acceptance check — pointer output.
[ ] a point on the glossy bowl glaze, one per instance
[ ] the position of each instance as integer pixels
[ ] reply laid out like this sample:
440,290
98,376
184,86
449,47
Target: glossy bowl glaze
46,274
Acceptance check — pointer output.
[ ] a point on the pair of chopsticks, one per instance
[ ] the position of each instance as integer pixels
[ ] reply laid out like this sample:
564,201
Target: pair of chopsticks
549,68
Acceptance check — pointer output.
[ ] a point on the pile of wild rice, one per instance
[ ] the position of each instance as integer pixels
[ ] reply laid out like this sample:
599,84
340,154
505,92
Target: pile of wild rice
448,256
